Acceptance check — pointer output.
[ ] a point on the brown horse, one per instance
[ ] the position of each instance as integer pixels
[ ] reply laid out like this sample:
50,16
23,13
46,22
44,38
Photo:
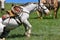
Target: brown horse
51,4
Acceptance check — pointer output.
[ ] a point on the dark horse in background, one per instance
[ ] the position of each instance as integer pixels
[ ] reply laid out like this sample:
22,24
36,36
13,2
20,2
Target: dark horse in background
51,4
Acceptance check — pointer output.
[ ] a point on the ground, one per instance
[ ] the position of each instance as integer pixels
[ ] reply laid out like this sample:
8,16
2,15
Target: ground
42,29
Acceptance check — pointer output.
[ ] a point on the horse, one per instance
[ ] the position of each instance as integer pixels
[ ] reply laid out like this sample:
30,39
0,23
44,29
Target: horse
51,4
15,17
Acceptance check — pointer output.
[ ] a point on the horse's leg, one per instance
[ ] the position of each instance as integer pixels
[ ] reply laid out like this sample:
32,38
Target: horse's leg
1,20
2,5
55,12
2,28
55,8
27,26
4,33
39,14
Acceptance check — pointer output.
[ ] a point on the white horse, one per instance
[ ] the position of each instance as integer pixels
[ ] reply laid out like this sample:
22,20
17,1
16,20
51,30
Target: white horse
10,23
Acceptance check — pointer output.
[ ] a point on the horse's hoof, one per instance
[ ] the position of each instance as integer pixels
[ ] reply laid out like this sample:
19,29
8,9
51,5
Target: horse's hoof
27,35
0,39
40,17
3,38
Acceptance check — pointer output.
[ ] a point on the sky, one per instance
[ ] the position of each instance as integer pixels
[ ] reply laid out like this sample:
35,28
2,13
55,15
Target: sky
20,1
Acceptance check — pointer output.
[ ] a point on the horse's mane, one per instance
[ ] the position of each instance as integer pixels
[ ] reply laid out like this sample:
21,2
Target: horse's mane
26,3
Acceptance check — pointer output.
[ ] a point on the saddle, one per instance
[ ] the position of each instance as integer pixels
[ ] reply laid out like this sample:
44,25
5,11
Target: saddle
13,15
10,14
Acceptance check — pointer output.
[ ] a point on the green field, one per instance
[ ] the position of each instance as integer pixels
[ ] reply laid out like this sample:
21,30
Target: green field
42,29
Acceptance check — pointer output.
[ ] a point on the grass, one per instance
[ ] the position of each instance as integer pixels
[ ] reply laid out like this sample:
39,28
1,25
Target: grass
42,29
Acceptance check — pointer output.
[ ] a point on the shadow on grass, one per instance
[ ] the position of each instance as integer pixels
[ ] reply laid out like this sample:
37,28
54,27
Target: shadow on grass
33,34
42,18
48,18
14,36
20,35
34,17
37,35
